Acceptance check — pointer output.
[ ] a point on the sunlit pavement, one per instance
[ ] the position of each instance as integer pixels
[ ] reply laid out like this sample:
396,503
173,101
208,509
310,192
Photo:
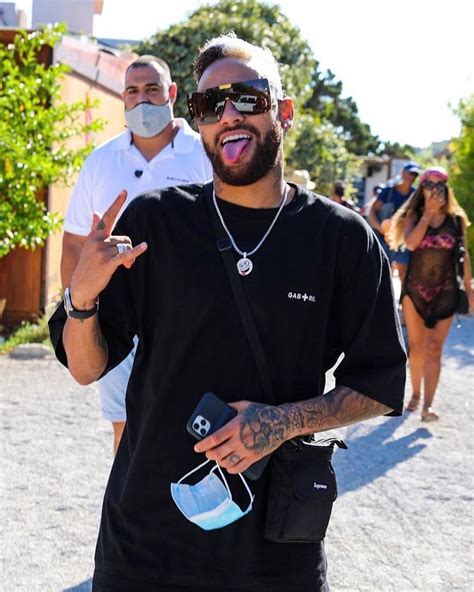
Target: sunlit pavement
403,520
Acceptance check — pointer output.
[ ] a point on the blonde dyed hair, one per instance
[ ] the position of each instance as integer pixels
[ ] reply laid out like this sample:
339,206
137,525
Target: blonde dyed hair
231,46
414,207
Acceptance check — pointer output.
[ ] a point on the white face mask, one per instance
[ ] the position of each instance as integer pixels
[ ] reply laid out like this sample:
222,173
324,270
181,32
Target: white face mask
148,120
209,502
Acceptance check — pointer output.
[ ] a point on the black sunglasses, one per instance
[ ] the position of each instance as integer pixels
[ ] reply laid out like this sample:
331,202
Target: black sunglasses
440,185
251,97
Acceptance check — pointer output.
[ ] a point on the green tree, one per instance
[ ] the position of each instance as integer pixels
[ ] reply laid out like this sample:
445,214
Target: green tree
462,167
316,143
321,148
264,25
342,113
396,150
257,23
35,126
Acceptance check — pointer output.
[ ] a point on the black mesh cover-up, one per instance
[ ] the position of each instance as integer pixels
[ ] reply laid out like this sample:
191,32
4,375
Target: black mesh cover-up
430,281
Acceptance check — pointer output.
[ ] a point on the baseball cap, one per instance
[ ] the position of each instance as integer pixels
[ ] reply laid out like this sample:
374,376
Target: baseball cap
412,167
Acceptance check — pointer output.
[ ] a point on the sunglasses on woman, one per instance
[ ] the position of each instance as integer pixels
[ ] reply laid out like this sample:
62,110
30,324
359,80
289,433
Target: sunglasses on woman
251,97
439,185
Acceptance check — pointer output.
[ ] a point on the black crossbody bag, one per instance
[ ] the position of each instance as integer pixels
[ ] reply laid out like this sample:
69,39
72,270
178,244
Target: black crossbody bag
303,484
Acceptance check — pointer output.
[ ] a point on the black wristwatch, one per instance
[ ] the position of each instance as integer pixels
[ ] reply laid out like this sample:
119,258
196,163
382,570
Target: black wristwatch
73,313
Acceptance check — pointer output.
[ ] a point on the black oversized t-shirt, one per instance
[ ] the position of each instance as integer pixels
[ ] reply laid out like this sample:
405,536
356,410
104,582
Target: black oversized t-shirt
320,286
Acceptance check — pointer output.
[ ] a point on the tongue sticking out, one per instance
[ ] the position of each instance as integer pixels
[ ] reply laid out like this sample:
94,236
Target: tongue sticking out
233,150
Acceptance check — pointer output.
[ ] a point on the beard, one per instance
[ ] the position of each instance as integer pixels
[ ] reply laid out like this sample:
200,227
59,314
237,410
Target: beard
267,156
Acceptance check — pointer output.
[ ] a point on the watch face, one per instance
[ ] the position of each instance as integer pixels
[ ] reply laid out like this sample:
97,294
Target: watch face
67,301
72,313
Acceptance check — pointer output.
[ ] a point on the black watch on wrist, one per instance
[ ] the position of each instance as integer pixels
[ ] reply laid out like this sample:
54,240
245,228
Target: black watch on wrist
73,313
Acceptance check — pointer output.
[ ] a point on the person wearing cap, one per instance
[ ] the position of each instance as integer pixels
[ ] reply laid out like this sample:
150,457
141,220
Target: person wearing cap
388,201
431,225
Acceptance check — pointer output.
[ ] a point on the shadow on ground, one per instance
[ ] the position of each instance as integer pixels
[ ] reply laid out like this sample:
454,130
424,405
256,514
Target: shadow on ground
459,346
371,455
85,586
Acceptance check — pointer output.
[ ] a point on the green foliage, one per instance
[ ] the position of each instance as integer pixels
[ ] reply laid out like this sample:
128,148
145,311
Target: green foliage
342,113
257,23
35,126
462,168
28,333
317,145
427,159
396,150
327,128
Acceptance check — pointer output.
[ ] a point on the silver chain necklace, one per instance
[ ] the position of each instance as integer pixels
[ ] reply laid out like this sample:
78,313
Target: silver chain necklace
244,264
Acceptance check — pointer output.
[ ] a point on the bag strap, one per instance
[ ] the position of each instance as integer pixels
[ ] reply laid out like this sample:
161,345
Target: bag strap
224,247
390,195
460,250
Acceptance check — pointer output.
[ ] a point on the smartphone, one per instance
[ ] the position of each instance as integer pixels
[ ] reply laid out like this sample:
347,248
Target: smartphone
209,416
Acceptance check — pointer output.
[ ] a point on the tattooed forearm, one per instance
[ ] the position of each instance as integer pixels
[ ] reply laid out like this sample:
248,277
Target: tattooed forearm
340,407
263,428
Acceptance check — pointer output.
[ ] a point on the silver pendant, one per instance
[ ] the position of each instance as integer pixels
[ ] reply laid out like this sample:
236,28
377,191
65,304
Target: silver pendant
244,266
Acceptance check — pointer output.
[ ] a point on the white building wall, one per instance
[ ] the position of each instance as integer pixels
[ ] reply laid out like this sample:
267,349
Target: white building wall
10,16
78,14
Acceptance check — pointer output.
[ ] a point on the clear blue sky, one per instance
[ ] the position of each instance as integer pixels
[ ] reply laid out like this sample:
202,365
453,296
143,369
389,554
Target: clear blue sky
403,62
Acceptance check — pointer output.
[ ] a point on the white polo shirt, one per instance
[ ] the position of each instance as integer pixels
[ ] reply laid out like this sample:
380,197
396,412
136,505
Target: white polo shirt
118,165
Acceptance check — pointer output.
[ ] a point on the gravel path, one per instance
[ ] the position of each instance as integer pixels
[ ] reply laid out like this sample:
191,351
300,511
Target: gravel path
403,520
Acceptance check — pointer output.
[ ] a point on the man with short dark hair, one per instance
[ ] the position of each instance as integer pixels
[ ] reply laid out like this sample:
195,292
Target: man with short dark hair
157,150
318,285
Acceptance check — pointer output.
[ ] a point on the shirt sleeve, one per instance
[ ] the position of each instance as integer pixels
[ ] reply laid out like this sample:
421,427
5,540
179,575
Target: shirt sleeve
374,362
80,209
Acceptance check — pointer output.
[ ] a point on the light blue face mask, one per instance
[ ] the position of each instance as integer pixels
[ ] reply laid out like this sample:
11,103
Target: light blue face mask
209,502
148,120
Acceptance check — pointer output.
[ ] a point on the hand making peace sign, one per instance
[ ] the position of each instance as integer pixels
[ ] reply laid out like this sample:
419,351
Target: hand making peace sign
101,255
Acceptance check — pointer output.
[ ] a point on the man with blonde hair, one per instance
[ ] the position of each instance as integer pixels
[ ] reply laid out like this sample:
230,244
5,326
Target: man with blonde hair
317,285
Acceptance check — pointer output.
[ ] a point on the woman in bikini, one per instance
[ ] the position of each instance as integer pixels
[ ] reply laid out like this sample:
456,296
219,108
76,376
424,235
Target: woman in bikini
429,224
